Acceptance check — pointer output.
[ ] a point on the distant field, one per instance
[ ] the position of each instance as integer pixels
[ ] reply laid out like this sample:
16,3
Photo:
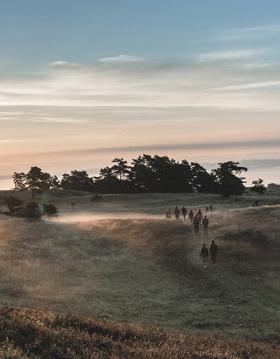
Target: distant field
120,259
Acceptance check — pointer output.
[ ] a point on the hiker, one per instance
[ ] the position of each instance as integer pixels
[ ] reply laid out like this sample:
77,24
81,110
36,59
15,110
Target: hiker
213,252
206,208
177,213
211,208
168,214
196,224
73,204
199,215
205,223
204,255
191,215
245,355
184,213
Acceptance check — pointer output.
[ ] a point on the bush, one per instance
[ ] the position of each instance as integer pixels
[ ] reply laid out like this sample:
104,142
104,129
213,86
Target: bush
50,210
96,198
13,203
32,210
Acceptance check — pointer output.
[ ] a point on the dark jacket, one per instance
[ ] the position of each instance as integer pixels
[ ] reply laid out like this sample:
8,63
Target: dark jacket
213,249
204,252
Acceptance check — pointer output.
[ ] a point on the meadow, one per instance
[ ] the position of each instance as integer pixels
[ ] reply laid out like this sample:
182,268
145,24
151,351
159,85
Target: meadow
120,259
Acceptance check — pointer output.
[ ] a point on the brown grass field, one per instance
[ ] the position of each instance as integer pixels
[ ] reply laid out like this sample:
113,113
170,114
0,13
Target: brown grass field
27,333
120,260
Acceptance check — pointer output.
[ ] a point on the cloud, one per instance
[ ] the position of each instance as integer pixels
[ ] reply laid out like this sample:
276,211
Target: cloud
239,34
121,59
63,64
229,55
248,86
247,143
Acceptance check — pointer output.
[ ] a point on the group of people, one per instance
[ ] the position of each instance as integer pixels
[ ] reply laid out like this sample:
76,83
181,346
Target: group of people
204,253
195,219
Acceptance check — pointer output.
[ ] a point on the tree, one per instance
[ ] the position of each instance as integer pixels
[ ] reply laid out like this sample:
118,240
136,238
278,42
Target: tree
227,176
142,174
19,179
120,169
203,181
37,180
77,180
258,186
34,180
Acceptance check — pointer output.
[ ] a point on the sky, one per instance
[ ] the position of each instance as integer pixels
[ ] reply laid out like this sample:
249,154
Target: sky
83,82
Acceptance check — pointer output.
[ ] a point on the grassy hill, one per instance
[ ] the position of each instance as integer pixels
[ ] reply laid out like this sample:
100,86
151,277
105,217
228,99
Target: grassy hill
120,259
34,334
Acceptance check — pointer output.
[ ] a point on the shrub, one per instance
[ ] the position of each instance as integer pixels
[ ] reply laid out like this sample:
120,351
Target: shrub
50,210
96,198
13,203
32,210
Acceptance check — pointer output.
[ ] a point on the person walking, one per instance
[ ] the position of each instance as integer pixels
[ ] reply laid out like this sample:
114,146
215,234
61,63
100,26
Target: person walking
196,224
184,213
177,213
205,223
199,216
168,214
213,252
191,216
204,255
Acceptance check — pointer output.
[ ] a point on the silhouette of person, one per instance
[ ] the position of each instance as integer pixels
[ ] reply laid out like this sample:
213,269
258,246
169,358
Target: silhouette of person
213,252
196,224
168,214
191,216
177,213
184,213
205,223
204,255
199,215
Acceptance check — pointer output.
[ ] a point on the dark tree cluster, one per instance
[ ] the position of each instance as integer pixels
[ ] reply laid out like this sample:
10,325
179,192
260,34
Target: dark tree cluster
145,174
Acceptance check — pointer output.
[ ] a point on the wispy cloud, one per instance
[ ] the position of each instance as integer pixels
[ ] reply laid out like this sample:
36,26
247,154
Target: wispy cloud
248,86
121,59
229,55
261,31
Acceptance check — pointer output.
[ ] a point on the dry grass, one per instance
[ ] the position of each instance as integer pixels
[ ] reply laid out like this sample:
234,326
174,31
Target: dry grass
108,261
30,334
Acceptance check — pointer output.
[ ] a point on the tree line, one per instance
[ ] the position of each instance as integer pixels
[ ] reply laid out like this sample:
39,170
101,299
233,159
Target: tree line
145,174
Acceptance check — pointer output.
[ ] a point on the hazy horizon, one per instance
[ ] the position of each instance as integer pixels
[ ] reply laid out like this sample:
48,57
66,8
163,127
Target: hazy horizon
82,83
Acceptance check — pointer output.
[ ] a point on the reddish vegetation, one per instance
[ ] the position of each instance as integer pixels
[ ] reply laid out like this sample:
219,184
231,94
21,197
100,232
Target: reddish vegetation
26,333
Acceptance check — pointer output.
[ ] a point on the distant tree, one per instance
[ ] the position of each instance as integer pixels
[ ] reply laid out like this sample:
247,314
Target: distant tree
77,180
120,168
55,183
113,180
13,203
160,174
258,186
19,179
203,181
34,180
227,176
143,174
